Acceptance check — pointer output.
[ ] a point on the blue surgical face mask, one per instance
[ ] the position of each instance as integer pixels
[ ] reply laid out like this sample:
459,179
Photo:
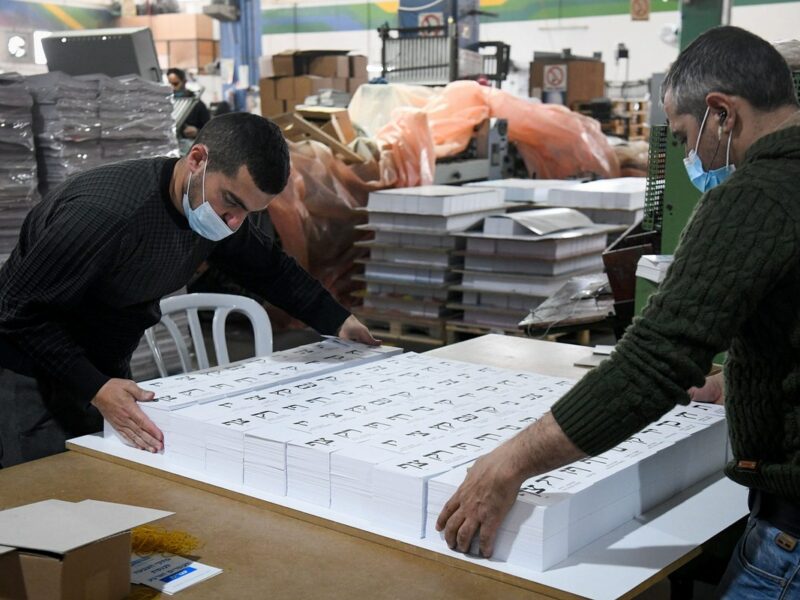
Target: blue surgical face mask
204,220
705,180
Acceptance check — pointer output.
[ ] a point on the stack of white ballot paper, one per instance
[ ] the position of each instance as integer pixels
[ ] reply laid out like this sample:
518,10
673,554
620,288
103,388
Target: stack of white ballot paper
412,256
617,201
559,512
520,259
238,379
385,440
536,191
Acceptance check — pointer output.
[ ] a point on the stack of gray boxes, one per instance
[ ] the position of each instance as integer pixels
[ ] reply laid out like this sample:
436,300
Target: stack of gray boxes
66,125
18,179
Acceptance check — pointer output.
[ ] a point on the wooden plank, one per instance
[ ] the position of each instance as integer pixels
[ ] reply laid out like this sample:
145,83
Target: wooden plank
297,129
334,121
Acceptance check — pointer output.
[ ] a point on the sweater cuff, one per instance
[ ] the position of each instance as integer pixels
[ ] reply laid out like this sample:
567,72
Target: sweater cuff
585,418
86,380
325,314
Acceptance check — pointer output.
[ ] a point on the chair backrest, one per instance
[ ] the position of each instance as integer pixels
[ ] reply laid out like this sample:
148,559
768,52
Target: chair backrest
222,305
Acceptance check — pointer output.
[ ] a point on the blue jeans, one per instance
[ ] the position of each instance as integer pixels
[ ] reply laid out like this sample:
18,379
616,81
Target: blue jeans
762,566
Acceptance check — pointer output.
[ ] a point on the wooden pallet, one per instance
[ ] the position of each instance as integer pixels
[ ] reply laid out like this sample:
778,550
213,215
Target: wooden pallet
397,327
630,107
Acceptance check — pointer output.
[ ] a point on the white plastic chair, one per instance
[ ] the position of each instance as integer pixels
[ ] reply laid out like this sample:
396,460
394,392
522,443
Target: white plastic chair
222,305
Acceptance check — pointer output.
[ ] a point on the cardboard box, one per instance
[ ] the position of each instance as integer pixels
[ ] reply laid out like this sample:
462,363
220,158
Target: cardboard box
358,66
353,84
265,66
339,83
191,54
306,85
283,63
298,62
330,66
585,79
284,89
174,26
268,87
292,104
273,107
55,550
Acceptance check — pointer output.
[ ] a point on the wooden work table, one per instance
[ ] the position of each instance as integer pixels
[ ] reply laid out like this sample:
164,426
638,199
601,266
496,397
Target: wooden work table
267,553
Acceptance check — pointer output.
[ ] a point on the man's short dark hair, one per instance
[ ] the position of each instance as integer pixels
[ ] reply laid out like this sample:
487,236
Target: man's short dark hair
179,73
732,61
237,139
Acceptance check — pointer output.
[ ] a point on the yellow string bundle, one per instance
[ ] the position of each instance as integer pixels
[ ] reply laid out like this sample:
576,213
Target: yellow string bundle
148,539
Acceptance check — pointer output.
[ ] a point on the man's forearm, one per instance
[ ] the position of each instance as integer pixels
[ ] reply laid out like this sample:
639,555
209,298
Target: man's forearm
542,447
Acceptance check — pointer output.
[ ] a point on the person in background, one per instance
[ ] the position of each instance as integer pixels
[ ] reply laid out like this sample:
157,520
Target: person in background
199,115
734,286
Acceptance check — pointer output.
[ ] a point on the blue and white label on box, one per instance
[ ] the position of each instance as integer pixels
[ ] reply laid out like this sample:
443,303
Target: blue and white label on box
169,573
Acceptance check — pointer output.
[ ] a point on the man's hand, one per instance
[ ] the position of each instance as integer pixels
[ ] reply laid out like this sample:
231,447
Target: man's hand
190,131
491,486
116,401
481,502
354,330
713,391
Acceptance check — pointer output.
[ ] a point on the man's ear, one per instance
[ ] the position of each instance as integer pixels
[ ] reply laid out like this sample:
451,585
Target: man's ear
196,157
723,109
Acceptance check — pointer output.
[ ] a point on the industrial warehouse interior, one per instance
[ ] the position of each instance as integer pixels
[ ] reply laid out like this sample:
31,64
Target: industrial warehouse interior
443,299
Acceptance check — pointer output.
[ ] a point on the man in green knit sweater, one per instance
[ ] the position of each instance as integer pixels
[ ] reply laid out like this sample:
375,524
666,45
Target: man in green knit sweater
734,285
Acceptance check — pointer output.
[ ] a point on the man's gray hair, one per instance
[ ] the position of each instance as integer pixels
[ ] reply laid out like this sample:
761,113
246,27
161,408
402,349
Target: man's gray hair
732,61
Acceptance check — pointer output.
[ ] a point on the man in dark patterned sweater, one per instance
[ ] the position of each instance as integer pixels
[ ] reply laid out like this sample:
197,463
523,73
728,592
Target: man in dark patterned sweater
97,255
734,285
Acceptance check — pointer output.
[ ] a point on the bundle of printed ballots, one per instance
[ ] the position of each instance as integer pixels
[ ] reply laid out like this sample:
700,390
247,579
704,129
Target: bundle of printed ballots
386,439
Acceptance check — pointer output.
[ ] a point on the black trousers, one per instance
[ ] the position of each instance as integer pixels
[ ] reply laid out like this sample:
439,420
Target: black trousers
36,418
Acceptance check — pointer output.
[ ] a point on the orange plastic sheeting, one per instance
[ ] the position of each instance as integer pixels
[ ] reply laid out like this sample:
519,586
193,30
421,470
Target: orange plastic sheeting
555,142
315,217
454,113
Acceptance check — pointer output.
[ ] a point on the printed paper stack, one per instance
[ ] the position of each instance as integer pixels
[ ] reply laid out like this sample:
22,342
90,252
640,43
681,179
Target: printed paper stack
613,201
413,256
535,191
178,392
559,512
521,258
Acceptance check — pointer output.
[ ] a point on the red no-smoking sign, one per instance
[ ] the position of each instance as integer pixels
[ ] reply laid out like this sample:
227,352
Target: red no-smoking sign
434,19
555,78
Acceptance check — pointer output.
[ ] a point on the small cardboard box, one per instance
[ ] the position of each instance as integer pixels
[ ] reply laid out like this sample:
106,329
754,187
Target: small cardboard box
174,26
307,85
56,550
284,89
272,107
330,66
358,66
268,89
283,63
339,83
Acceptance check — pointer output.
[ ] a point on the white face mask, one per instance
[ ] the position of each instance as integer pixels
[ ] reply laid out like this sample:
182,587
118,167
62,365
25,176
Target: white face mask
204,220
